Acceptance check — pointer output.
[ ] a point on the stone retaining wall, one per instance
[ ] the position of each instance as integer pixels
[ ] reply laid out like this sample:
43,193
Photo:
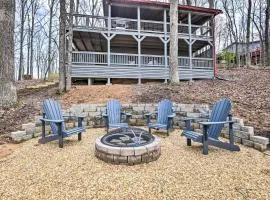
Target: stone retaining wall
93,112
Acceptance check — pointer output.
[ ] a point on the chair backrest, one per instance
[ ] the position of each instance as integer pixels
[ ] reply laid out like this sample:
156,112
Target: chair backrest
52,110
164,109
220,112
114,111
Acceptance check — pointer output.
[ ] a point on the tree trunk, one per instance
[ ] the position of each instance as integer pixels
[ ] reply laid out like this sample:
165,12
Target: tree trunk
62,52
189,2
266,34
70,41
248,34
34,10
21,65
8,94
50,39
28,45
174,76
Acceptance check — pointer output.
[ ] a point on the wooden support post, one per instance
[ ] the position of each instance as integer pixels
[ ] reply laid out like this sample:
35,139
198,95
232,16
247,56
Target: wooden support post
214,46
90,81
190,44
139,42
139,21
165,43
108,81
109,18
139,61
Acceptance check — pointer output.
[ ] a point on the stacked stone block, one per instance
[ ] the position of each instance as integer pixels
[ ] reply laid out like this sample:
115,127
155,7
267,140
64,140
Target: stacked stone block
93,119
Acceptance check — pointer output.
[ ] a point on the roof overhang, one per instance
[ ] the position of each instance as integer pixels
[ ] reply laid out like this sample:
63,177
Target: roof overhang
166,4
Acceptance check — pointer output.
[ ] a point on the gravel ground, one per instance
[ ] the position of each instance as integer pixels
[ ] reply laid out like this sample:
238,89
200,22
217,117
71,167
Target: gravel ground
46,172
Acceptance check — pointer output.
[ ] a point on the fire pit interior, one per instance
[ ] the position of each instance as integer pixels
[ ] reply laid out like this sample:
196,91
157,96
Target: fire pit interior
128,146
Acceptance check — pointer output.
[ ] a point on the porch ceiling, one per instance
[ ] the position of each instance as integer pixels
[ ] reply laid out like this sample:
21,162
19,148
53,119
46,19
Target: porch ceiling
90,41
154,11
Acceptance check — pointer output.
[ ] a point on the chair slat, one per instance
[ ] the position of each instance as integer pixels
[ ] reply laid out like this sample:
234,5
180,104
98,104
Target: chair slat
53,111
220,112
164,109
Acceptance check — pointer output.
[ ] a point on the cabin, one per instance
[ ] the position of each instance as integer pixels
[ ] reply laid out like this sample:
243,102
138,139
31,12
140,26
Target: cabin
131,41
254,53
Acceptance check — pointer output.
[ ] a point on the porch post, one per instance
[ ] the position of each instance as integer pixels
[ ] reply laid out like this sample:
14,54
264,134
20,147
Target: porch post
109,42
190,44
139,41
165,43
214,46
109,18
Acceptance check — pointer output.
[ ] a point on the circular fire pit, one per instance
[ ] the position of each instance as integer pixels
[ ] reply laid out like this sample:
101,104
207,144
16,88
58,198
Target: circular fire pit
128,146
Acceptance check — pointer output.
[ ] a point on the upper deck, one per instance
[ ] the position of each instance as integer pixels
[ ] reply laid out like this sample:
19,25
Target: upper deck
123,17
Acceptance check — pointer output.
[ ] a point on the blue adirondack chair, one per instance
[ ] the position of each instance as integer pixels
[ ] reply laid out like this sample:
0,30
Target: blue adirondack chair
165,116
113,115
212,129
53,115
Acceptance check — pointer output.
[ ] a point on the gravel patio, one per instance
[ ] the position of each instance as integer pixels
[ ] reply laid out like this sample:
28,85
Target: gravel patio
36,171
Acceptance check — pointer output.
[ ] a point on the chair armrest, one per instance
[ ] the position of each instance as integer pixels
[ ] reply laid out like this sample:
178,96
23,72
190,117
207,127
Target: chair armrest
52,120
193,118
105,115
215,123
73,116
148,114
171,116
127,114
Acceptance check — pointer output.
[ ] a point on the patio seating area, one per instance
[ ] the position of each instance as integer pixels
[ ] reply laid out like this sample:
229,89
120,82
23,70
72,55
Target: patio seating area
36,171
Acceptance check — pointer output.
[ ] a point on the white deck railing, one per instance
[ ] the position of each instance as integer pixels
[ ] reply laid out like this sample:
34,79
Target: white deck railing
126,24
119,59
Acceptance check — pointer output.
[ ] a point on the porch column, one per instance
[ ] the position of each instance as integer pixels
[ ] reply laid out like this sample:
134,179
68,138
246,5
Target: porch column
109,41
109,18
139,41
165,43
109,34
214,46
190,44
90,81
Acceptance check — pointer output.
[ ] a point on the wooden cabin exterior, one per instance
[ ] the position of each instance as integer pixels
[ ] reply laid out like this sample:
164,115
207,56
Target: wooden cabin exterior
131,41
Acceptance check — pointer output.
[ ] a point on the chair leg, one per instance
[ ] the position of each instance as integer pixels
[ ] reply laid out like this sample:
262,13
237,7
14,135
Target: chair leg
168,132
205,140
188,142
149,130
60,135
205,148
80,136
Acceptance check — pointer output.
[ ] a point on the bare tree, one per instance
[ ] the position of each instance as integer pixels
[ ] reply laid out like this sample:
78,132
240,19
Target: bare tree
232,25
8,94
174,76
266,33
62,38
188,2
248,34
23,7
70,42
34,9
52,5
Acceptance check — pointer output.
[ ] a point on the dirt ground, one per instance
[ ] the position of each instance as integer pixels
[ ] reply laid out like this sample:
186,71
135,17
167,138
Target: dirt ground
47,172
248,89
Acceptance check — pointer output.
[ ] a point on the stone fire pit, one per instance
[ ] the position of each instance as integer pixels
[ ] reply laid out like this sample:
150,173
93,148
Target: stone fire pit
128,146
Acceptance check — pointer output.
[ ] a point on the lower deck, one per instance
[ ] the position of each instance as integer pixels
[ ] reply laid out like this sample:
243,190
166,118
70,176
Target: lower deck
132,66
